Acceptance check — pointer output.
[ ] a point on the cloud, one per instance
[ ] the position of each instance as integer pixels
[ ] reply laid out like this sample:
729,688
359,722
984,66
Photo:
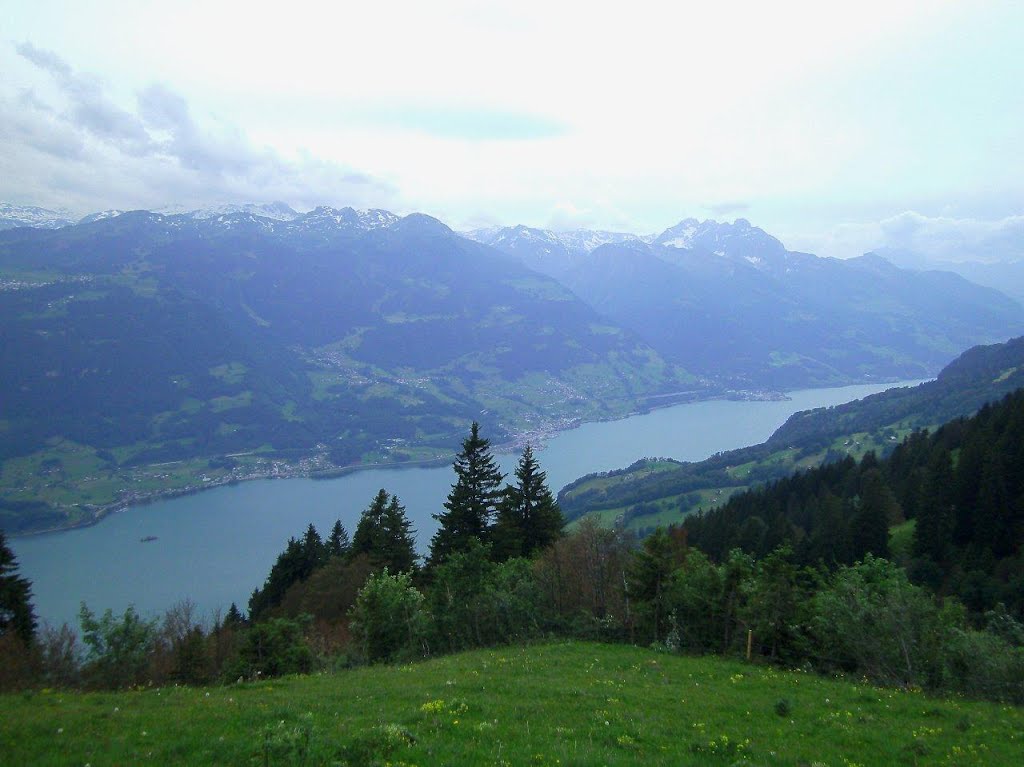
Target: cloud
919,240
723,208
460,123
155,154
89,108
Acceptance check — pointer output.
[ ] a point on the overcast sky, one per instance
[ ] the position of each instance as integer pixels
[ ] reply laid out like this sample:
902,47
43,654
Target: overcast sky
837,127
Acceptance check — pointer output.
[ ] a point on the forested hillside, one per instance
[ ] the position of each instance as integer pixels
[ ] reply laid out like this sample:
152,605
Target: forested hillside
662,491
956,496
144,352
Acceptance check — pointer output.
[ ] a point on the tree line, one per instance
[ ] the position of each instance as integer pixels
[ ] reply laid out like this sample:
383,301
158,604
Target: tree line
501,569
948,506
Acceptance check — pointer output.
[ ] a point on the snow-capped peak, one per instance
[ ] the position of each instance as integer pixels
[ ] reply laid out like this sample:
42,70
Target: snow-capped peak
681,235
366,220
738,240
576,242
101,216
12,216
277,211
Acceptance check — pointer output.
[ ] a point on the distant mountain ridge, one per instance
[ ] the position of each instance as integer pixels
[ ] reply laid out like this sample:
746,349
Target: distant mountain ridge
730,298
13,216
724,300
1002,269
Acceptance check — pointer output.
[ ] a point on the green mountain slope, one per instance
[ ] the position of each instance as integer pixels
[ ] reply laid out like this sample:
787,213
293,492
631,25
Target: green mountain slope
657,492
143,353
565,704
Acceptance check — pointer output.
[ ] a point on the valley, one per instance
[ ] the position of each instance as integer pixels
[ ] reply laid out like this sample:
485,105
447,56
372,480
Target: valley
151,355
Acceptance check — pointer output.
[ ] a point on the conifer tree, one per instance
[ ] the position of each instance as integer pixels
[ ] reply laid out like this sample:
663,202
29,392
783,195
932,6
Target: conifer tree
992,529
385,534
472,500
234,617
398,538
296,563
528,516
313,550
367,538
936,518
869,528
16,614
338,543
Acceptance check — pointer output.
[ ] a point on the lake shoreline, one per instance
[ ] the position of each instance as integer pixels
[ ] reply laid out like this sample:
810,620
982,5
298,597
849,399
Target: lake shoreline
537,438
215,547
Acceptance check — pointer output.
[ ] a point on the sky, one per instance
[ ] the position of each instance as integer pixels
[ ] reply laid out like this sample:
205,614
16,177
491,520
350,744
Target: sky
838,127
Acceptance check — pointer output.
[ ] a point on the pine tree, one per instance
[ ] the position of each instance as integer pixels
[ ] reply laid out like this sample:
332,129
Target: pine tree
385,534
398,538
936,518
367,538
296,563
992,529
234,617
471,502
528,517
650,575
869,528
313,550
16,615
338,543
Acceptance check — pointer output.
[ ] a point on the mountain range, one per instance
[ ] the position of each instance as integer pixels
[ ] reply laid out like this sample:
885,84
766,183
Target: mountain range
729,300
1002,269
254,340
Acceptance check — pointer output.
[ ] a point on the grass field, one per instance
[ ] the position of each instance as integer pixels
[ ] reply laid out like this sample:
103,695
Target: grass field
555,704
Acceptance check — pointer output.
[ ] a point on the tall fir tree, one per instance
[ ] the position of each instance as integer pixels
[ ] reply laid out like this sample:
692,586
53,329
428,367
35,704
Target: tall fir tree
385,534
338,543
295,564
869,527
313,551
528,517
992,528
472,501
16,615
398,538
936,517
367,537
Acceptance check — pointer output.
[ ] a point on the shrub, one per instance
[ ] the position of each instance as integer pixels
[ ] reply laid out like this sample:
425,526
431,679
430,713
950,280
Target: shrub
388,620
983,665
272,648
119,649
871,619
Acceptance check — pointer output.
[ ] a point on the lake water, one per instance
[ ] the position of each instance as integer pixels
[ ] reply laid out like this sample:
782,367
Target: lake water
215,547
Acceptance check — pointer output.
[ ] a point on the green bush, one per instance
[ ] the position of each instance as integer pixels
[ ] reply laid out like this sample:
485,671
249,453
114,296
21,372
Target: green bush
872,620
272,648
119,649
388,620
983,665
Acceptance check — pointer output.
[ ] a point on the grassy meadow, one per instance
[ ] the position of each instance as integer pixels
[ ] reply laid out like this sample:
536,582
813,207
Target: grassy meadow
554,704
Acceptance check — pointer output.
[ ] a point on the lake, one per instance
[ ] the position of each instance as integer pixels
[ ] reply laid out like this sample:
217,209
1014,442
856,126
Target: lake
215,547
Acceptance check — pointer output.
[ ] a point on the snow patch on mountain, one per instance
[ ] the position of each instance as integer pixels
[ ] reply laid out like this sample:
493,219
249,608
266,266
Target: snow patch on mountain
277,211
13,216
101,216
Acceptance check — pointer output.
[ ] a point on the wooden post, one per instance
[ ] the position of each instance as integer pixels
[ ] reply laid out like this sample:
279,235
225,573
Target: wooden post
750,641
